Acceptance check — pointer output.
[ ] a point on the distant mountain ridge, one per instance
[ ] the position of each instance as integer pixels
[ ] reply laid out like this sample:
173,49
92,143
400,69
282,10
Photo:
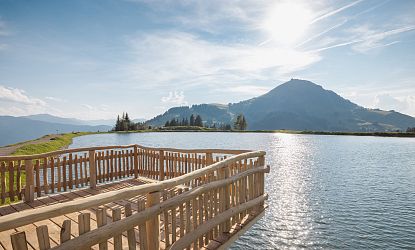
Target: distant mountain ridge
17,129
296,105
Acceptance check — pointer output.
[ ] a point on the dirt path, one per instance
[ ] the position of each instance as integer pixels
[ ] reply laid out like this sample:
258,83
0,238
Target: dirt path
8,150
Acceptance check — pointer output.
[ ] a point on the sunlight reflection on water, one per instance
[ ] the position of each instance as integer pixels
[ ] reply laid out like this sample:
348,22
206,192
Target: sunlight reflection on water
324,191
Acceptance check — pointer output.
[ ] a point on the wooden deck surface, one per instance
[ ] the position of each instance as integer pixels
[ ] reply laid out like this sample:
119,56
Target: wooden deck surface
54,224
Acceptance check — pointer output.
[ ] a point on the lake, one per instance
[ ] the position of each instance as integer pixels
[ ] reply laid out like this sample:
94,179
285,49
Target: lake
324,191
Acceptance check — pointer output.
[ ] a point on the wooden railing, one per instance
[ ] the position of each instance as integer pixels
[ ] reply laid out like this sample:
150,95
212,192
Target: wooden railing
74,168
198,196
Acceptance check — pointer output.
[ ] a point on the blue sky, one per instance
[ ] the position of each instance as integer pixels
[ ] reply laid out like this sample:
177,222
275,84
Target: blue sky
95,59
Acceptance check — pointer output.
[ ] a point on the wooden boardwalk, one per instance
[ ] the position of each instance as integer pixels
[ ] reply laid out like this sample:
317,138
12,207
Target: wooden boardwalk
144,198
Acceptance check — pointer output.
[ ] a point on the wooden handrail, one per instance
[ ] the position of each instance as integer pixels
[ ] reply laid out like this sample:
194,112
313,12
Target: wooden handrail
75,150
186,240
93,237
29,216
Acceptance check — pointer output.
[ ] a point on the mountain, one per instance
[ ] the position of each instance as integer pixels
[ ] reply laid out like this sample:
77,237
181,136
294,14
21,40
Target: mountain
297,105
16,129
72,121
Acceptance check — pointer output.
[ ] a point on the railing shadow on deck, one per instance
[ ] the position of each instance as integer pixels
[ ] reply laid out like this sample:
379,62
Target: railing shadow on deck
199,194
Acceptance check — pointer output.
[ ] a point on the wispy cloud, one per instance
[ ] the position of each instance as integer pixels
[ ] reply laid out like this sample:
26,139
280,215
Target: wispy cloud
368,38
334,12
174,58
322,33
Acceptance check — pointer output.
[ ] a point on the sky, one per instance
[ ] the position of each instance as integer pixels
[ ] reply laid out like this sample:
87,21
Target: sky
97,59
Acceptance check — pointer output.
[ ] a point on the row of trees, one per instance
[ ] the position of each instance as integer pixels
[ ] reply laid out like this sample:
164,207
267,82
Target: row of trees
125,124
192,121
239,124
411,130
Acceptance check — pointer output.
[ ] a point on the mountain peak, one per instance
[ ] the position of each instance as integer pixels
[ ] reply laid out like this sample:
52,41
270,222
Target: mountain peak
300,84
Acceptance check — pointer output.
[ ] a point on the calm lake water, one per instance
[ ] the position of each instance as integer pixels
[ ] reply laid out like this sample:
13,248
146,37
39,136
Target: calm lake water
341,192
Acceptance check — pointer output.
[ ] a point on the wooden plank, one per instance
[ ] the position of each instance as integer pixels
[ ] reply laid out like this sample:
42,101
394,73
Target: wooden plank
3,182
85,169
19,241
135,161
81,171
37,173
123,163
112,175
19,180
102,221
142,227
119,158
201,213
11,181
181,215
173,219
43,237
58,169
65,233
130,233
75,163
194,218
116,215
84,223
52,174
166,223
153,224
92,170
64,171
98,165
70,166
45,175
108,173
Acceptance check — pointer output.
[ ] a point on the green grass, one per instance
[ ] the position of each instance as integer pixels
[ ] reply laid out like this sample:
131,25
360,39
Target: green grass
54,144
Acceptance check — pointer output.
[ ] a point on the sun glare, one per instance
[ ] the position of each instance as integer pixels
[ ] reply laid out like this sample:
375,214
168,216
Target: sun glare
286,22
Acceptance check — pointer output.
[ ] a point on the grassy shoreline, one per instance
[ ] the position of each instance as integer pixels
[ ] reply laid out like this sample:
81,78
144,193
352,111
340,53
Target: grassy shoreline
59,142
195,129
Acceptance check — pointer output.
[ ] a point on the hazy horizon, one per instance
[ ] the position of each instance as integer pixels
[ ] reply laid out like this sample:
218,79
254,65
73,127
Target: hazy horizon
94,60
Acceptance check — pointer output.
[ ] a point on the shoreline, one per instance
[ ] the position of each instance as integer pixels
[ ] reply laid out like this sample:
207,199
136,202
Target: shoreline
46,143
378,134
53,142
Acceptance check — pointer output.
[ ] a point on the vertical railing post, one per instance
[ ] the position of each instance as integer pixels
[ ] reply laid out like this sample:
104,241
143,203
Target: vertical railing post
261,179
261,160
153,224
92,169
29,194
135,161
227,199
209,159
161,164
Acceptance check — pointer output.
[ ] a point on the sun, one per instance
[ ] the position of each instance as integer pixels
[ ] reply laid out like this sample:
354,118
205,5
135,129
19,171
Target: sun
287,22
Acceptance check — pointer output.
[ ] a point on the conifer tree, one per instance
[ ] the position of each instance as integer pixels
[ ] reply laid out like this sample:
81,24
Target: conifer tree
192,120
198,121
